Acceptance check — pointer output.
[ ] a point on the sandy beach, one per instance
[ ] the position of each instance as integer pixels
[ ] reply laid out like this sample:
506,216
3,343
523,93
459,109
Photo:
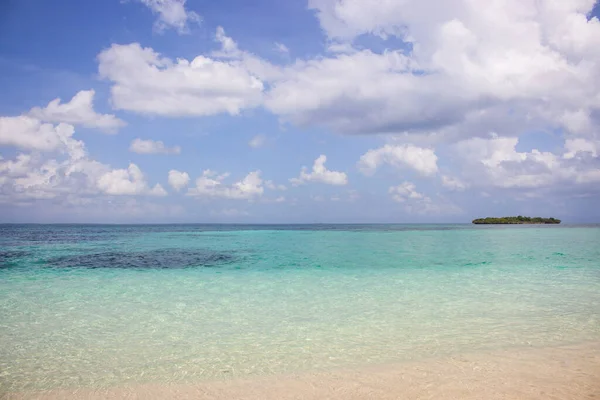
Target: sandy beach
565,372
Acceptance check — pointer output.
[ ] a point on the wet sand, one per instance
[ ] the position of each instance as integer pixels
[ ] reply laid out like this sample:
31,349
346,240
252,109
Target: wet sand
566,372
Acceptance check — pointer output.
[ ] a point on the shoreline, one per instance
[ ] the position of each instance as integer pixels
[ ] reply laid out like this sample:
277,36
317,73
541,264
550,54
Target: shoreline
562,372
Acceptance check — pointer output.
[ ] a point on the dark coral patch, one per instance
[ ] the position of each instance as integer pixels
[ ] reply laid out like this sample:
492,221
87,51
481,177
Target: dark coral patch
155,259
8,258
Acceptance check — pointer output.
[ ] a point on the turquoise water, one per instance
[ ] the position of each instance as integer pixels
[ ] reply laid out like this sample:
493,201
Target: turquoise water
99,306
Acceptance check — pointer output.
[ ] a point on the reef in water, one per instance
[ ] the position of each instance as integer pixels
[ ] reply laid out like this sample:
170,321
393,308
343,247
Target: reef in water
154,259
8,258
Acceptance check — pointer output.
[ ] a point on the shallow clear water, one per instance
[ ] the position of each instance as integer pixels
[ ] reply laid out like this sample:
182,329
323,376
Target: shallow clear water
101,306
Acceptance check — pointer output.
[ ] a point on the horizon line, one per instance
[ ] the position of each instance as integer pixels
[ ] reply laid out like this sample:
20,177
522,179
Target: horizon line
272,223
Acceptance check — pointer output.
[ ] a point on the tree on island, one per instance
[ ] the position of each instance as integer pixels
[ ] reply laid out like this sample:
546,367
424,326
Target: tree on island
516,220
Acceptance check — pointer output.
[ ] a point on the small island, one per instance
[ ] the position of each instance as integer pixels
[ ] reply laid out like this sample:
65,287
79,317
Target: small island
515,220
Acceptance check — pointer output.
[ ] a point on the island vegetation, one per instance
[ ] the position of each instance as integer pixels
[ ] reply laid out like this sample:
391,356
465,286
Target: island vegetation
516,220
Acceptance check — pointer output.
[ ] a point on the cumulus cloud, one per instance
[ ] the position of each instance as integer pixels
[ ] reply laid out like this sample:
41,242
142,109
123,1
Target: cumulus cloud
576,121
147,83
535,60
336,47
130,181
320,174
405,191
171,14
74,178
422,160
472,69
31,134
142,146
495,162
57,167
78,111
178,180
364,92
229,48
210,185
257,141
580,146
256,66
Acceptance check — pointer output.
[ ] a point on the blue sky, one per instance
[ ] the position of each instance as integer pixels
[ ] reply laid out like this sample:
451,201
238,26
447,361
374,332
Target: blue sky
298,111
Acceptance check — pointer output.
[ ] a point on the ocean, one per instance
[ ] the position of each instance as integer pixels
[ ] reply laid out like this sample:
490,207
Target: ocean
103,306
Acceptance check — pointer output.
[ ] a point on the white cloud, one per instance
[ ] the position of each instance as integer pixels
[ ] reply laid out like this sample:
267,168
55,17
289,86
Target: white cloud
320,174
422,160
346,48
496,163
453,183
229,48
581,146
16,168
256,66
281,48
59,168
178,180
171,14
509,60
157,190
142,146
210,185
57,165
147,83
474,68
78,111
405,191
257,141
359,93
130,181
578,121
31,134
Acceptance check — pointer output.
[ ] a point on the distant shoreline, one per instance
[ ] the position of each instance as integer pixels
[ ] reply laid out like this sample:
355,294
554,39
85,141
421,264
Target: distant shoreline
518,220
515,223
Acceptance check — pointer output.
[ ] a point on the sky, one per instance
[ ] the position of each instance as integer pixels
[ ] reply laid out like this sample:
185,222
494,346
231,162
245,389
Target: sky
298,111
